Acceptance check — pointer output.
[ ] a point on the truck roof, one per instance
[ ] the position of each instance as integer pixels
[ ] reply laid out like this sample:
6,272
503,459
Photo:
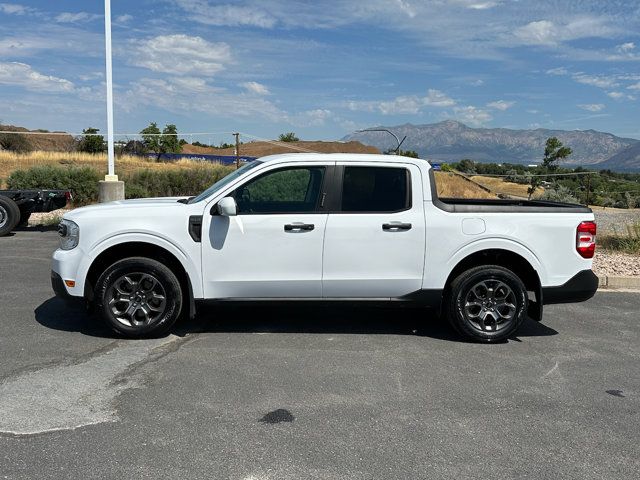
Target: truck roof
352,157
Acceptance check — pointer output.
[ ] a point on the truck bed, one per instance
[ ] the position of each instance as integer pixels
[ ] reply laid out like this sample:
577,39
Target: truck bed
499,205
507,205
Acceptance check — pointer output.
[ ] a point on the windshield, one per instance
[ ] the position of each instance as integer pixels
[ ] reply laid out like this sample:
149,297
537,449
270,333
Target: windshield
225,181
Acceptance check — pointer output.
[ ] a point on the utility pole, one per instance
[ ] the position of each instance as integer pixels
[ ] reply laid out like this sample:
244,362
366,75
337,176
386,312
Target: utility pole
237,135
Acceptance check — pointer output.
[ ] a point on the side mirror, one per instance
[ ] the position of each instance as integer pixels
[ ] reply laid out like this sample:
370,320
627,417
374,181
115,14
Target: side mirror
227,207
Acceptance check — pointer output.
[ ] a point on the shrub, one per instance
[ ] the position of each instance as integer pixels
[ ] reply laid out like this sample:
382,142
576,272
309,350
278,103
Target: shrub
82,181
15,142
173,183
628,242
288,137
559,194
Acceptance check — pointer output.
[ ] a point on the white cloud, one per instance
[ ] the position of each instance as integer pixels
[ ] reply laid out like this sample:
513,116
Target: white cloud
546,32
472,115
558,71
69,17
620,95
22,75
15,9
181,55
229,15
312,118
600,81
124,18
400,105
406,8
192,94
404,104
476,83
592,107
501,105
626,47
635,86
256,88
437,98
476,5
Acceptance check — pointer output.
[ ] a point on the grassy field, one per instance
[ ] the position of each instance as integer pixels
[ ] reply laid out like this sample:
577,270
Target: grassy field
452,185
498,185
448,184
124,163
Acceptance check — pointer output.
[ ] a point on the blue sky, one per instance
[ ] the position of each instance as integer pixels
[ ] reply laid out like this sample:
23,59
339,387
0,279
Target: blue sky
323,68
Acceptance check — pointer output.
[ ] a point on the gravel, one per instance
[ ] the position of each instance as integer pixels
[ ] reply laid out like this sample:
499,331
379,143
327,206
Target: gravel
618,264
615,220
38,219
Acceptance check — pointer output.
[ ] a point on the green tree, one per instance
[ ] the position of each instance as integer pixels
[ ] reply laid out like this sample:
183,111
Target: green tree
554,151
535,183
151,138
90,142
467,166
288,137
409,153
169,142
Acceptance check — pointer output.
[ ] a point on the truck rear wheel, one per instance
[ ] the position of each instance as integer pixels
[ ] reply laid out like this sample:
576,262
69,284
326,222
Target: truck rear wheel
487,303
138,297
9,215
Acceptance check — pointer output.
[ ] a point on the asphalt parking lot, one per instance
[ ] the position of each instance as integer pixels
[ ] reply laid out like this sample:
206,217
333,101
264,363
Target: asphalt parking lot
311,393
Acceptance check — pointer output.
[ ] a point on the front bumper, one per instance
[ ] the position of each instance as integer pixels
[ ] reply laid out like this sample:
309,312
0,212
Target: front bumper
582,286
58,286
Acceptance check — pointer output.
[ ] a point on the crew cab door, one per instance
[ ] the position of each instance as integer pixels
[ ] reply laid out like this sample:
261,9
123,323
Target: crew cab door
272,248
374,243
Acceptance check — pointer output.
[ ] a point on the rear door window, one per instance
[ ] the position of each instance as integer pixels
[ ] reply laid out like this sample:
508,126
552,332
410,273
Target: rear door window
375,189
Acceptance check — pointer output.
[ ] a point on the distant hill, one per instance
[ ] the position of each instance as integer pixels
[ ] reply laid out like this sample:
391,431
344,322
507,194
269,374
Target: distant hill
628,160
49,141
452,141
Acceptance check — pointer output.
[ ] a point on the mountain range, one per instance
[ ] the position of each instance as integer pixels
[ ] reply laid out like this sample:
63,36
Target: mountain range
451,141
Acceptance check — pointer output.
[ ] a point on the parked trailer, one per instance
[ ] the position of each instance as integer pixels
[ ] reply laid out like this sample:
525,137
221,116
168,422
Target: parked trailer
16,206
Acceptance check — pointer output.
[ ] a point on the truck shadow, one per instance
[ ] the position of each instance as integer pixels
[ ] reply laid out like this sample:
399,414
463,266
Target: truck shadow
287,318
333,318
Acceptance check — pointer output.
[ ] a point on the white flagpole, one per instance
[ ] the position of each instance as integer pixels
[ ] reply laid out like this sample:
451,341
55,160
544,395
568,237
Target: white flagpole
107,31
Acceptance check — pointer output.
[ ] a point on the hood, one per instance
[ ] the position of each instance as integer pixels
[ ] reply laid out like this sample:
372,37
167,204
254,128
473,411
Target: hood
122,206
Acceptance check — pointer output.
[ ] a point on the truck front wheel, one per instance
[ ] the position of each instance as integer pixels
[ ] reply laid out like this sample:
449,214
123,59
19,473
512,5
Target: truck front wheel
138,297
487,303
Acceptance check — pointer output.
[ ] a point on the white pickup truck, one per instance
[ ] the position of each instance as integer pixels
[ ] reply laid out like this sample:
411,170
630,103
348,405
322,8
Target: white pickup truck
327,227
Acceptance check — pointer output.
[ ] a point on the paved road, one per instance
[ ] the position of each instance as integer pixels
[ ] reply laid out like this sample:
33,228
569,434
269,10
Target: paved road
311,393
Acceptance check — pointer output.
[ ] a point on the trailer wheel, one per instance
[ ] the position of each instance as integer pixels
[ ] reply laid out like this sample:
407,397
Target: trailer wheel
9,215
24,219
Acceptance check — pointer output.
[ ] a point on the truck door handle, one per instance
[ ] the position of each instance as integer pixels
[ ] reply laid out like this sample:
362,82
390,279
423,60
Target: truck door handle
290,227
396,226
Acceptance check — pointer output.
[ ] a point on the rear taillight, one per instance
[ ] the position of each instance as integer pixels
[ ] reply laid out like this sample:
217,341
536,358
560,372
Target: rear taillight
68,195
586,239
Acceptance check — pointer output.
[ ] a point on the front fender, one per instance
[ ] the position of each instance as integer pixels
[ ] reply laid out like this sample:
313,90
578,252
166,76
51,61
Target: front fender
185,260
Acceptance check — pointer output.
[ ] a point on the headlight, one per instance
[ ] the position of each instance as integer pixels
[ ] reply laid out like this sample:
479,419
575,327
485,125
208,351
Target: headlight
69,234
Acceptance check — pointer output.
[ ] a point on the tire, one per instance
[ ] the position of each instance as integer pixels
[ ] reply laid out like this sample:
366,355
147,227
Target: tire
9,215
138,297
24,219
487,303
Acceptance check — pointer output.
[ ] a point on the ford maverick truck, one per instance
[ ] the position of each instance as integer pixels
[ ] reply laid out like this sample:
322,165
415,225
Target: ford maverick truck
327,227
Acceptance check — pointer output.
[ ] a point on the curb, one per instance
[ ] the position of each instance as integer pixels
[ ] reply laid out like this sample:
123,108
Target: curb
613,282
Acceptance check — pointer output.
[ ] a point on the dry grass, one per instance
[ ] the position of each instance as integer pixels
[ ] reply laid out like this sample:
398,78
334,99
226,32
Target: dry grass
498,185
10,161
454,186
